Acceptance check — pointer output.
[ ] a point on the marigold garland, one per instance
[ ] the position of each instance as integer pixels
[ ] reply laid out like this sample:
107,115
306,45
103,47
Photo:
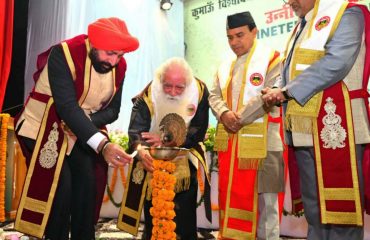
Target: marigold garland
4,119
110,187
163,184
120,138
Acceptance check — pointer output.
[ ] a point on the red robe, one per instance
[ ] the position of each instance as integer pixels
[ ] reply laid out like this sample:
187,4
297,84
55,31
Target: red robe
41,182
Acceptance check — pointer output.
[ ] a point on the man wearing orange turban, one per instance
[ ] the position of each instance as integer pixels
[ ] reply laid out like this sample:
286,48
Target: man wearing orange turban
61,131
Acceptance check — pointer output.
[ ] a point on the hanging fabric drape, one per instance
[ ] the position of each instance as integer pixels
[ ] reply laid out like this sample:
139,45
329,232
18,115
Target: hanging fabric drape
6,38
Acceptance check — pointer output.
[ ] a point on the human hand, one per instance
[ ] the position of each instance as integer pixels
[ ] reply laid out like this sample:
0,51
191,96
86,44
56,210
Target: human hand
146,159
265,90
115,156
231,121
272,96
152,138
230,131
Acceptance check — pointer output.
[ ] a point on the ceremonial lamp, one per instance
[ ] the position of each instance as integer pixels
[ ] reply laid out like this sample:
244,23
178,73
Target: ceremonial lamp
173,133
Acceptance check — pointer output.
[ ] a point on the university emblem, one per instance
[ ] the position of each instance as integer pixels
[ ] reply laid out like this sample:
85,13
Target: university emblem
190,109
138,173
256,79
322,22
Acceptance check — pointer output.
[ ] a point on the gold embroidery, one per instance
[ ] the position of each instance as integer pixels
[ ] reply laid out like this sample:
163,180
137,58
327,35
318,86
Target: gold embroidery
355,218
182,173
129,211
237,234
332,134
252,144
31,228
342,218
241,214
299,118
49,152
138,173
346,194
26,226
221,138
69,59
35,205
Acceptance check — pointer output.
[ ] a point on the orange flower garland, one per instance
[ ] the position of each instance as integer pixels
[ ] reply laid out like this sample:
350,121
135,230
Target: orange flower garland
113,182
163,184
120,138
4,119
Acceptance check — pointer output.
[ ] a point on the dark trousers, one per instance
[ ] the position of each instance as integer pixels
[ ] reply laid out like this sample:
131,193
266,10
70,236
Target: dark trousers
185,209
75,198
308,181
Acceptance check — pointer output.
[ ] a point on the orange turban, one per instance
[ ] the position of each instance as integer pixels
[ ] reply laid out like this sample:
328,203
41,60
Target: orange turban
111,34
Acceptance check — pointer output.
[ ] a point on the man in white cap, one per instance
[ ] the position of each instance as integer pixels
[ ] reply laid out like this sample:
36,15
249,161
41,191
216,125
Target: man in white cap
60,129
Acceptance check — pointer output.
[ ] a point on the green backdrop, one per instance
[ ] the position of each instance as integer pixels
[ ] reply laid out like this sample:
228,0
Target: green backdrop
205,31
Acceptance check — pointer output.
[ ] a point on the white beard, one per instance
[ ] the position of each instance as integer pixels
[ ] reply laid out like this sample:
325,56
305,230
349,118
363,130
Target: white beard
168,104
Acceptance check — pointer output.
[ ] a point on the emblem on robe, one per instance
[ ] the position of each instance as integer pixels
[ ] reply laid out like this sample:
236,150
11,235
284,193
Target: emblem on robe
333,134
322,22
256,79
191,109
49,152
138,173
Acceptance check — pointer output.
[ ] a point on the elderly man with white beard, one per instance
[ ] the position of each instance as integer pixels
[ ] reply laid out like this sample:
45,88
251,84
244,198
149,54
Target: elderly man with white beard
173,90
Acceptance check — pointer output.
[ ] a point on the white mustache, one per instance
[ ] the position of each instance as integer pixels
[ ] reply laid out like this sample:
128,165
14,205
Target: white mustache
172,98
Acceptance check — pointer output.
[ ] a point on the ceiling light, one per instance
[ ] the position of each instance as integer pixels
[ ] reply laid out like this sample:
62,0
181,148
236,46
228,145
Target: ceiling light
166,4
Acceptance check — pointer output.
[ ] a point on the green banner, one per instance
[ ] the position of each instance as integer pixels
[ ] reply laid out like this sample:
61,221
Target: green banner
205,29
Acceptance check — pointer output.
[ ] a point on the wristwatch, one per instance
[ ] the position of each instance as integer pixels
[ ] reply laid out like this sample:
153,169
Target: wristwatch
286,94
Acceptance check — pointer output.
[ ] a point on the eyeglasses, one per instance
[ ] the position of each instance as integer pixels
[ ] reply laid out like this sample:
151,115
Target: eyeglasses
286,1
